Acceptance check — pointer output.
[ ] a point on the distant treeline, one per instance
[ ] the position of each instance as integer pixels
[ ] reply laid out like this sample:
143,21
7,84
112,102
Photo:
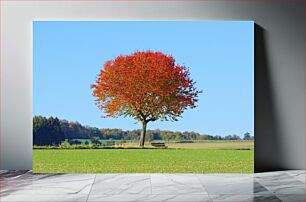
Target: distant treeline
52,131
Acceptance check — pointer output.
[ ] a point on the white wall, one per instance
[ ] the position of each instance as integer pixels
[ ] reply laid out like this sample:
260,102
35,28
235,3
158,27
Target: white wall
280,73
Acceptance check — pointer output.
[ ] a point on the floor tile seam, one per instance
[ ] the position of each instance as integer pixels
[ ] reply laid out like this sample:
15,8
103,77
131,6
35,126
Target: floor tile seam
91,187
261,182
208,194
274,194
151,192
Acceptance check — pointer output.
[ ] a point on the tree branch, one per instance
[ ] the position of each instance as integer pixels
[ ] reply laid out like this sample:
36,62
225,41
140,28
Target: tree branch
142,115
151,119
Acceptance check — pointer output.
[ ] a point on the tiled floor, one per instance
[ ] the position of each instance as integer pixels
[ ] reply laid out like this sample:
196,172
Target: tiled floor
271,186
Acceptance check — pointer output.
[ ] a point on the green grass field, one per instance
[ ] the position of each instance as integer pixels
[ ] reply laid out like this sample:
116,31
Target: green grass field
207,157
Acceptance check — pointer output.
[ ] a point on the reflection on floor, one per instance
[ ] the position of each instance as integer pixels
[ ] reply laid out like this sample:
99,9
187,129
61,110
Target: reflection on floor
271,186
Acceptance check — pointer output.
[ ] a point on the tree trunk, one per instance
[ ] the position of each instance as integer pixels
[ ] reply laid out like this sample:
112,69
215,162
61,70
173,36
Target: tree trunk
143,134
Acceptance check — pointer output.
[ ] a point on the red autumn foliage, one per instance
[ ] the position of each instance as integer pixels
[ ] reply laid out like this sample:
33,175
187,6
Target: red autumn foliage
145,85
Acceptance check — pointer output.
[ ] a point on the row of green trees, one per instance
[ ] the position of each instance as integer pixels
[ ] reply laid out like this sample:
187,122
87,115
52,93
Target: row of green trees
52,131
47,131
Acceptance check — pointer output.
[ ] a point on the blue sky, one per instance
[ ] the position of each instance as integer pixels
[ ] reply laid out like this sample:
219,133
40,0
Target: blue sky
67,56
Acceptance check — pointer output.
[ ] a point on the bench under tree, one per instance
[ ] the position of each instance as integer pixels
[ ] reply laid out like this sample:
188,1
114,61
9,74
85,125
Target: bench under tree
159,144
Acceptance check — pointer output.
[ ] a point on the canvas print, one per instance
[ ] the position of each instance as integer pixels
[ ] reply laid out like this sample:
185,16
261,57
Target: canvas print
143,97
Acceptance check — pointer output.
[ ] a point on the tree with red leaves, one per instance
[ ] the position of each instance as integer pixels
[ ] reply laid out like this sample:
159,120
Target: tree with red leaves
147,86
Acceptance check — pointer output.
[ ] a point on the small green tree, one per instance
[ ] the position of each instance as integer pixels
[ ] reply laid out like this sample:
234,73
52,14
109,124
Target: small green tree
247,136
95,140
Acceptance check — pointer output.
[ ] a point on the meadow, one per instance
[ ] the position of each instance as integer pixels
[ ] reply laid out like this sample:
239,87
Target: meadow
201,157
